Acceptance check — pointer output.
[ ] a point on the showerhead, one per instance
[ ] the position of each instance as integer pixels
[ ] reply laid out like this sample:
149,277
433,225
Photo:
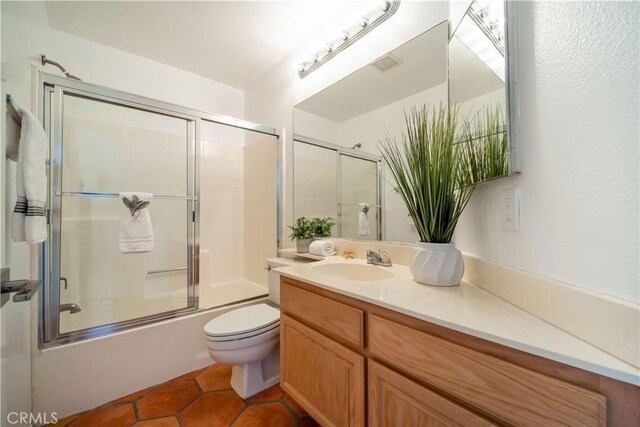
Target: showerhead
358,145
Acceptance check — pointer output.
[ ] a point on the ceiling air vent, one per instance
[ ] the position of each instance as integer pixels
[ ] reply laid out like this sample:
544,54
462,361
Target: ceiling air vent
386,62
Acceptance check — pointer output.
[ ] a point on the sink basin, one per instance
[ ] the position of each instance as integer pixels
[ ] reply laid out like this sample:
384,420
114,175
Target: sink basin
356,272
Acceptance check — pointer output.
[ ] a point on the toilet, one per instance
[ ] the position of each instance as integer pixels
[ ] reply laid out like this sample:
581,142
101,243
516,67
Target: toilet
248,338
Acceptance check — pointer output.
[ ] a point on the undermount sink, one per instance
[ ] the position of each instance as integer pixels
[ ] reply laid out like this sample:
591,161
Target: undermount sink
356,272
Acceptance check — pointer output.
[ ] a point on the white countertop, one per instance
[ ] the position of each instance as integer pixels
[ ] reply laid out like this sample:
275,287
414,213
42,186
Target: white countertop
472,310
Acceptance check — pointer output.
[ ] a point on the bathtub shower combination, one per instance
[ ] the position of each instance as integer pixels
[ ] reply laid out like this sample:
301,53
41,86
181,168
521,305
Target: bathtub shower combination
212,178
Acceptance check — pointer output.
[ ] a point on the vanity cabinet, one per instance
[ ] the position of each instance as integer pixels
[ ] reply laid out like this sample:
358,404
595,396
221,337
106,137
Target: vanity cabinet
397,401
325,377
509,393
352,363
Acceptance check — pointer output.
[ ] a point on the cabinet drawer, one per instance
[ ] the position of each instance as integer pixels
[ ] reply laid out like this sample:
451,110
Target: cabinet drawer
397,401
336,319
506,392
325,377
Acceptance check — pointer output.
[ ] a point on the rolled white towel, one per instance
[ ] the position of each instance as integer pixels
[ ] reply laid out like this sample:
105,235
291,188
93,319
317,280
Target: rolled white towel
322,248
136,232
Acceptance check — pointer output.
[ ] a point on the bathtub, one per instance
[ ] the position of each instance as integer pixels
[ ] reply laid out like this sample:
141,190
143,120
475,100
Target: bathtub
75,377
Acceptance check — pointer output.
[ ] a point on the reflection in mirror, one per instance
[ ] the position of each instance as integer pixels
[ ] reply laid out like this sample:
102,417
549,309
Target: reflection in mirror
357,112
477,71
338,182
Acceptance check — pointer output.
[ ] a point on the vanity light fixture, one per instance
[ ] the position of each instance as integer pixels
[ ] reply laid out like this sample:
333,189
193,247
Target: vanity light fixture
366,23
483,33
489,17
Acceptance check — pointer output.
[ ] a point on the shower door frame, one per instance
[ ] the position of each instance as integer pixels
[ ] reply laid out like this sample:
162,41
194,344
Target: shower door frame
53,89
350,152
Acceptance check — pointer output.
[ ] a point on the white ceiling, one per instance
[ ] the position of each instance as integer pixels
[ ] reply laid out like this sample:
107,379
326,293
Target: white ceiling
233,42
423,65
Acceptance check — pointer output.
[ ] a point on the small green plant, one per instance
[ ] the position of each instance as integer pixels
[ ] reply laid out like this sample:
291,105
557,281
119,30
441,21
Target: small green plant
321,227
135,205
302,229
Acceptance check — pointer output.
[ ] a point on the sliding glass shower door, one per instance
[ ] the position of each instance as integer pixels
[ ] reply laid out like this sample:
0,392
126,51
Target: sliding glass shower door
102,146
358,206
338,182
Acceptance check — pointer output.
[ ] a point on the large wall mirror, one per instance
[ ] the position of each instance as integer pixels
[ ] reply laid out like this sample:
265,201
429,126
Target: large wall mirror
338,171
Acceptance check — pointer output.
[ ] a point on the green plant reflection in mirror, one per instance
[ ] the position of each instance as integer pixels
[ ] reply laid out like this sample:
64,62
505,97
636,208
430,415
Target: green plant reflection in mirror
477,86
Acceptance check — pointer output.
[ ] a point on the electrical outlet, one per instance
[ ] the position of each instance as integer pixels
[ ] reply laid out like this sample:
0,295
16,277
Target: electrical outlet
511,209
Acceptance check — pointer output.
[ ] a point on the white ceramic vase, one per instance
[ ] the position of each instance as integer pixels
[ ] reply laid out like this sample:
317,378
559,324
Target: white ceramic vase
437,264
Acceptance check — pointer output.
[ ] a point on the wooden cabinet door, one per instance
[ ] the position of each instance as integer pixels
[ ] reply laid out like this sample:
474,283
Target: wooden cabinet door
325,377
397,401
507,392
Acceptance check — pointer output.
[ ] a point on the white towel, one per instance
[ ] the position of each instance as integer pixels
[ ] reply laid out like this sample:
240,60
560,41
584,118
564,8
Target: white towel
28,222
322,248
363,220
136,232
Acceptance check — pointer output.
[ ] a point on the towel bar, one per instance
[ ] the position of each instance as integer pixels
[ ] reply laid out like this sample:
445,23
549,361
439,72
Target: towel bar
155,196
167,270
24,288
13,110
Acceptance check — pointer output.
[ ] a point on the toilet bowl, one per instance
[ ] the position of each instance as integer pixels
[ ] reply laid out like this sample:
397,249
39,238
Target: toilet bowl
248,338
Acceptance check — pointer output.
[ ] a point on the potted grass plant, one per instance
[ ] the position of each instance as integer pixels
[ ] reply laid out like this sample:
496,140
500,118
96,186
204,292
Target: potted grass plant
433,174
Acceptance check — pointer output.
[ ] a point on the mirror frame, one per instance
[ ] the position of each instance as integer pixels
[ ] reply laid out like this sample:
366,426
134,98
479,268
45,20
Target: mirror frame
512,95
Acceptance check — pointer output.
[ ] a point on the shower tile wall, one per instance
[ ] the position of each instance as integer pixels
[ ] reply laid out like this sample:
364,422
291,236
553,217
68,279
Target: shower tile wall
237,173
221,211
315,181
260,235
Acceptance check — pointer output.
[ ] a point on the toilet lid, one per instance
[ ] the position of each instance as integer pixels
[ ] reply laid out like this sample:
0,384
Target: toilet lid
242,320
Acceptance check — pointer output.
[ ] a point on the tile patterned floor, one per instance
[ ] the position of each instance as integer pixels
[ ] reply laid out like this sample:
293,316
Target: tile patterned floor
202,398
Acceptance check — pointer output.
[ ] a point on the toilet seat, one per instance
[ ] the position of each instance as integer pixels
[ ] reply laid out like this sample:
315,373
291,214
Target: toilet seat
242,323
233,345
244,336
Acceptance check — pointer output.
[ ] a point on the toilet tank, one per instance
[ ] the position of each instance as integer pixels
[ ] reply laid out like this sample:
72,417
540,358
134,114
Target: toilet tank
274,278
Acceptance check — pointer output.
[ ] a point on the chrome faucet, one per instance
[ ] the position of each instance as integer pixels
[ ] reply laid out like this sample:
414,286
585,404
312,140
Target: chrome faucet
381,258
71,308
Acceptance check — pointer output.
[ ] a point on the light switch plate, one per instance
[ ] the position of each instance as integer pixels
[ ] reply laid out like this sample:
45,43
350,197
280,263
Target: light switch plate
510,213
